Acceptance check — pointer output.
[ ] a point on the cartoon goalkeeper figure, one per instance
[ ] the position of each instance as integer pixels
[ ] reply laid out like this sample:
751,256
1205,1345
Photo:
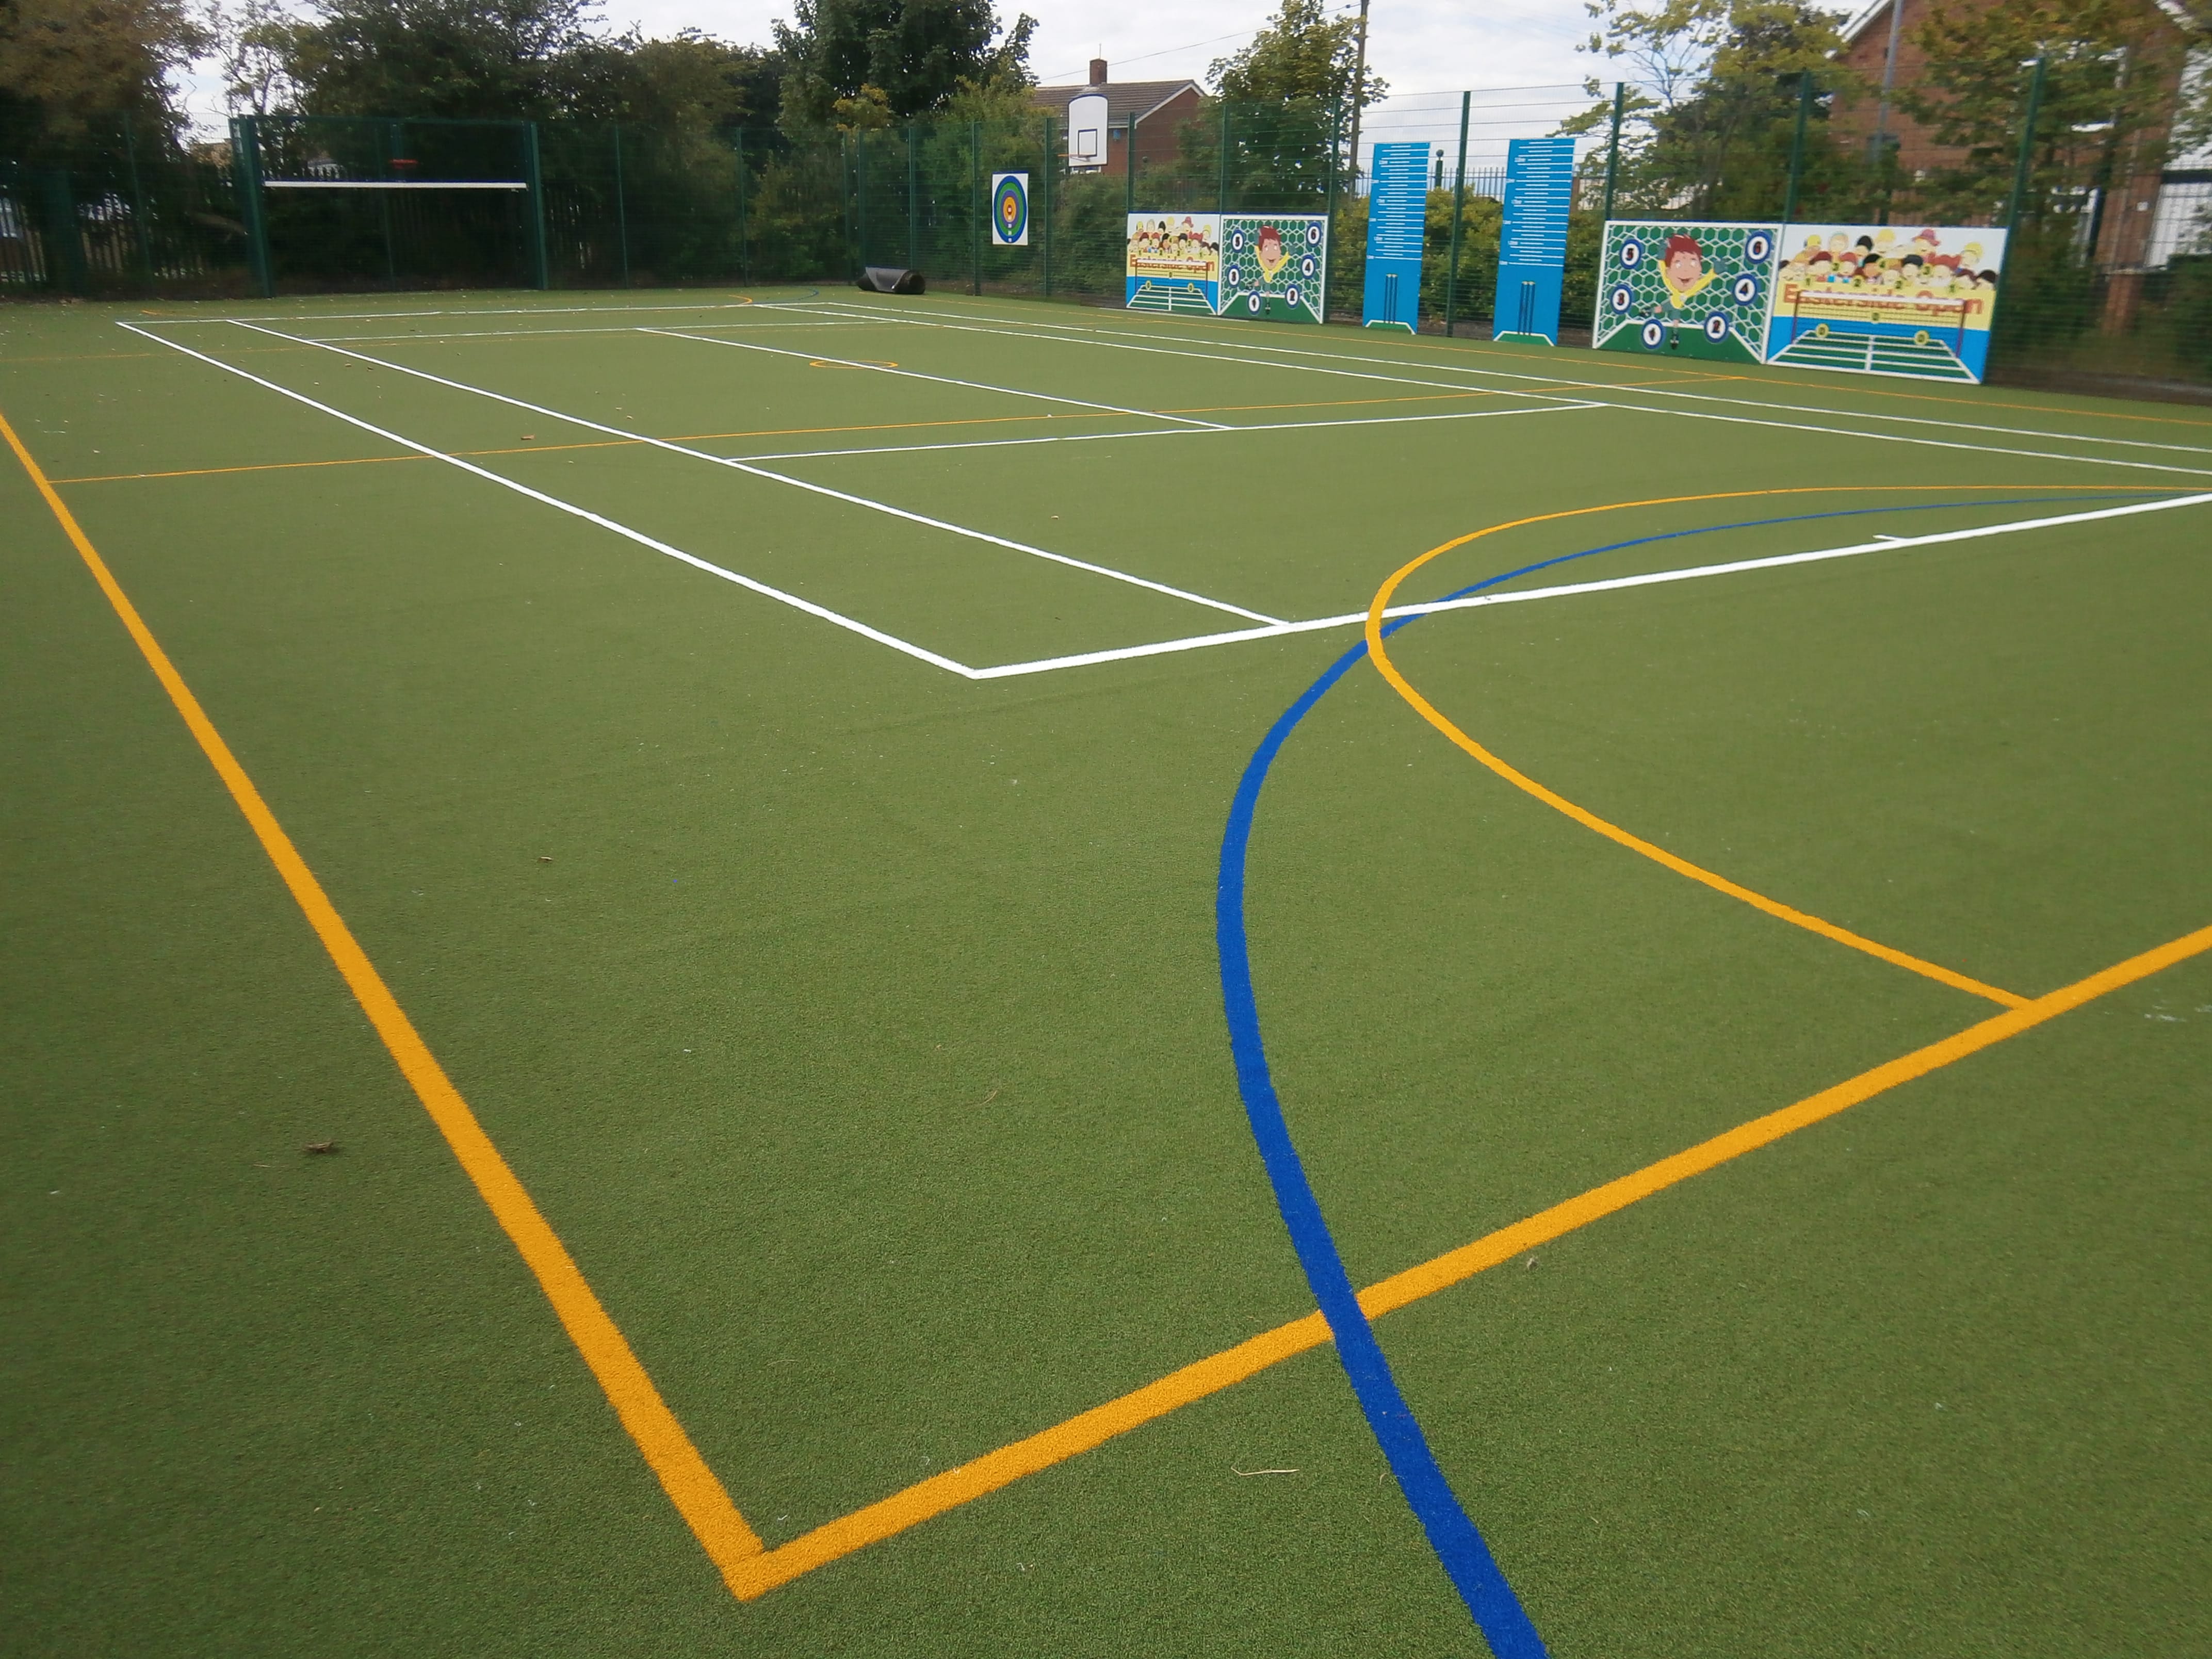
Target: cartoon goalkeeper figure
1682,268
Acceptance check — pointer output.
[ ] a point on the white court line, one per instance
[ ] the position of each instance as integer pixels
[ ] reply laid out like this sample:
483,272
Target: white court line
1169,432
916,374
562,333
489,311
589,517
1601,386
1158,351
778,478
1518,596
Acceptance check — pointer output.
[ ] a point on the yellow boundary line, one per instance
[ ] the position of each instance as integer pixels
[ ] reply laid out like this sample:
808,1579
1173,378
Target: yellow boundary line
1093,1428
1428,711
747,1567
699,1496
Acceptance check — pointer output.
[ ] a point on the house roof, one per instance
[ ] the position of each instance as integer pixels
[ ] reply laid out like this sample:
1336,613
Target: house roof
1123,98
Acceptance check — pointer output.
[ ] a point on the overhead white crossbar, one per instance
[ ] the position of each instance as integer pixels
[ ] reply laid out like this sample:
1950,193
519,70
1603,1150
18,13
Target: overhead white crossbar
393,184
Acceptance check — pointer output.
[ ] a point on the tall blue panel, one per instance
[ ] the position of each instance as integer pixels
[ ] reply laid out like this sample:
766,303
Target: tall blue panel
1532,253
1396,199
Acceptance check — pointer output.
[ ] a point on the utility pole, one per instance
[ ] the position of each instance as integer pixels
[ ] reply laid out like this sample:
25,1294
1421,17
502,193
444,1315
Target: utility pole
1359,94
1888,76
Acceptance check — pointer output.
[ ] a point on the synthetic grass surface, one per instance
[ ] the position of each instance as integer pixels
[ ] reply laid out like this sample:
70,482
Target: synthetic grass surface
862,1039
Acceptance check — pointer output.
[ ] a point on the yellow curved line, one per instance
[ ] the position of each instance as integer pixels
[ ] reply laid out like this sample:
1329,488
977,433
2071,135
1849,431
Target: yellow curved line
1589,820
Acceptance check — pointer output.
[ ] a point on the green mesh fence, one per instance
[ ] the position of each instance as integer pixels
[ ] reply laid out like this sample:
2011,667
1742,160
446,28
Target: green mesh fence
296,204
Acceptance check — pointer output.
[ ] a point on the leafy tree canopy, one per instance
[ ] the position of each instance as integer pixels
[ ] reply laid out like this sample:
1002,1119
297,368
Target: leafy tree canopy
64,63
486,58
895,58
1712,133
1302,52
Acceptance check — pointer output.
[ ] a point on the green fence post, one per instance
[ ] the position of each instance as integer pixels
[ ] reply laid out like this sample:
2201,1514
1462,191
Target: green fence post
913,204
1328,208
394,146
246,176
541,269
1459,206
744,242
138,206
859,200
64,235
1797,146
1129,173
1221,184
1612,145
2025,168
977,207
622,208
1046,176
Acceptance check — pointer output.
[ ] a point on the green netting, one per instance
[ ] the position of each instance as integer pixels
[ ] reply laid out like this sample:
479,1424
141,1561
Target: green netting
130,211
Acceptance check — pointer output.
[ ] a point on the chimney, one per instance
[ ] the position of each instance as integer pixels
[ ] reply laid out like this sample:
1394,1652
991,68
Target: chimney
1098,71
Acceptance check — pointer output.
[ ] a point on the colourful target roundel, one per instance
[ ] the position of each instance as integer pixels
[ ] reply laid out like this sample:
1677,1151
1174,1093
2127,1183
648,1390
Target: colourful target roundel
1631,254
1716,327
1252,303
1231,277
1621,298
1758,248
1292,296
1237,239
1306,266
1010,209
1746,289
1652,335
1312,235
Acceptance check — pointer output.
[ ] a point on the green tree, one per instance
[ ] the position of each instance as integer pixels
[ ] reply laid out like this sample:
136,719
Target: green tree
485,59
2111,77
690,82
1713,135
1302,53
914,56
66,62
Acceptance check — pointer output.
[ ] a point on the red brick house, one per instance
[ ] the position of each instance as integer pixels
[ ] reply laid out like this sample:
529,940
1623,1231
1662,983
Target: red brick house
1879,44
1159,107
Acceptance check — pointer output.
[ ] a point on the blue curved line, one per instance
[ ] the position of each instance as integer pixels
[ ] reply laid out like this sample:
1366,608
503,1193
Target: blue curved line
1452,1533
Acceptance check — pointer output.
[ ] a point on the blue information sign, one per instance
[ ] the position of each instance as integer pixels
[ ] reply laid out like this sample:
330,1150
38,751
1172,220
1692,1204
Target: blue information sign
1396,200
1531,253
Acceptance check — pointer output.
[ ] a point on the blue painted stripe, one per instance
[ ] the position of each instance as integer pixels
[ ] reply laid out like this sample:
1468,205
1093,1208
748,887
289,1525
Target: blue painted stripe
1453,1535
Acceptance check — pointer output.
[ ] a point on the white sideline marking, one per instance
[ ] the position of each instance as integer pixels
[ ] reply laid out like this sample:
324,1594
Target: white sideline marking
1881,544
1584,385
589,517
1169,432
564,333
489,311
778,478
916,374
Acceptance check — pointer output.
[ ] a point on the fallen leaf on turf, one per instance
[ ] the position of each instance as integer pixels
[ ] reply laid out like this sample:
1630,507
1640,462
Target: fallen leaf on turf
319,1148
546,858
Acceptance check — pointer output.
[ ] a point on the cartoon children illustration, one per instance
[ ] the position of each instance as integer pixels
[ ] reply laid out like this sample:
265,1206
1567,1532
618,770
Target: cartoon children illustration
1682,268
1270,253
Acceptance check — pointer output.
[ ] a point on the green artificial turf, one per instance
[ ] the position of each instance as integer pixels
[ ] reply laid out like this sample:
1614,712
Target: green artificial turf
858,1026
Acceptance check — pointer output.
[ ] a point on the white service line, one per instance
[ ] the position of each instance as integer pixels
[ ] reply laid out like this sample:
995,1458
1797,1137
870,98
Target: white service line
1212,357
490,311
589,517
1588,386
779,477
1518,596
1168,432
564,333
916,374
